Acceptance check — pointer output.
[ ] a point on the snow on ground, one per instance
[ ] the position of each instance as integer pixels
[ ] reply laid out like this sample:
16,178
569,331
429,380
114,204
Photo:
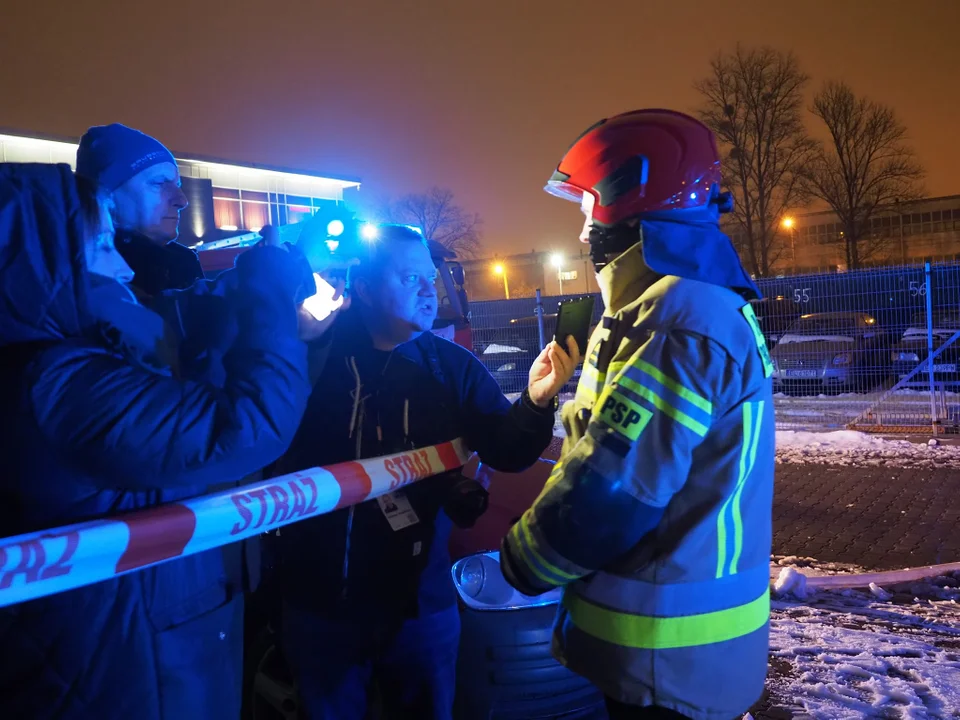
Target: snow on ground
846,447
890,652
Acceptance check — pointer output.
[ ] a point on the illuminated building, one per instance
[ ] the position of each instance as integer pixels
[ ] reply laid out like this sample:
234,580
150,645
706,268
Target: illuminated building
227,200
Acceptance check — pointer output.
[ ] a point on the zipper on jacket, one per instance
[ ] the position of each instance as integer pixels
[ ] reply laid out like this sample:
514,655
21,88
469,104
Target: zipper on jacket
356,428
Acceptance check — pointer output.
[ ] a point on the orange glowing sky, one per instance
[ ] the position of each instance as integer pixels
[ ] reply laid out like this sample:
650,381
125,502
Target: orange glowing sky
482,98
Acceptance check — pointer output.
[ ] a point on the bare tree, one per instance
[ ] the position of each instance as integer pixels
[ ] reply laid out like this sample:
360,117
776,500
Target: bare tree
753,101
866,168
440,219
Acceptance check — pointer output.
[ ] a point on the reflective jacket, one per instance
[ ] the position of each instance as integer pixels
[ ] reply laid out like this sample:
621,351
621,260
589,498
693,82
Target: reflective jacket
657,519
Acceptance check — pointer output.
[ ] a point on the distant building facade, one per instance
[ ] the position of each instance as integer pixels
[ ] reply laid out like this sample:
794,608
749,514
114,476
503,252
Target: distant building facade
903,233
226,199
526,272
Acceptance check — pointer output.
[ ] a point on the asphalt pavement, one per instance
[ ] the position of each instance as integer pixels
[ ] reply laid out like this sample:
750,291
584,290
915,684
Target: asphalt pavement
881,518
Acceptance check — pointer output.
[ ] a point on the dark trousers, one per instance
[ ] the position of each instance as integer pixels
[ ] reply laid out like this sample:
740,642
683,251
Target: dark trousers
618,711
333,662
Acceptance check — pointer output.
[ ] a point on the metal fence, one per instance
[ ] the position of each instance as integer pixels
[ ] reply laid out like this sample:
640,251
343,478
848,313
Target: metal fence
876,350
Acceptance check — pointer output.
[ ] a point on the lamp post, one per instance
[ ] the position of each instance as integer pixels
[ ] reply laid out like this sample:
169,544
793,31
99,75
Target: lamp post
557,260
788,224
499,269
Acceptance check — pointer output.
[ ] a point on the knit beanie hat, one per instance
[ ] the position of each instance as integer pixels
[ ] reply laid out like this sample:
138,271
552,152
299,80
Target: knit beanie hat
109,155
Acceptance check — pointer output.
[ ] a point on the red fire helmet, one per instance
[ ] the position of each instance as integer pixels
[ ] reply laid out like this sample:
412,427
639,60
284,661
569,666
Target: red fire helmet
639,162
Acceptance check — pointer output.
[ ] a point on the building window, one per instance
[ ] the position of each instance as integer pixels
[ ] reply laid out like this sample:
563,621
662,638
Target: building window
226,209
255,208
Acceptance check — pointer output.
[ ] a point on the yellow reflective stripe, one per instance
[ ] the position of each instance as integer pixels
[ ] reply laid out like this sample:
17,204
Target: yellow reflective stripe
754,440
544,563
751,318
591,374
616,367
675,387
748,456
646,632
662,405
527,559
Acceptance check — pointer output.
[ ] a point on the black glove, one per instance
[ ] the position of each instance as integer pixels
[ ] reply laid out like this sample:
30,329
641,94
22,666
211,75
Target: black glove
465,502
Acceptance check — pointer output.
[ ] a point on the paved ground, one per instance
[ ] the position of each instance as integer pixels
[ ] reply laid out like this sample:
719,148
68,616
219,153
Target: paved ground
879,518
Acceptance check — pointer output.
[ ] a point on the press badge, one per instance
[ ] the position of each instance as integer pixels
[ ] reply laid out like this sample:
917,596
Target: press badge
397,510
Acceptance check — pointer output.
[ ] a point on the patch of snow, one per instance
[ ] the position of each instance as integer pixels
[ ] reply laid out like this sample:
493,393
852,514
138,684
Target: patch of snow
813,567
846,655
879,593
791,582
494,349
792,339
846,447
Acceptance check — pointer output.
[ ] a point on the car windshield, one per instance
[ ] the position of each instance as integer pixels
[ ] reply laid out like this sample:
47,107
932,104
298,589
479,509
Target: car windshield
945,322
774,316
826,327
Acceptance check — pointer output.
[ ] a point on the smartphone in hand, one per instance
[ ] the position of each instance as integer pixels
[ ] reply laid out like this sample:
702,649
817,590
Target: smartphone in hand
322,304
574,318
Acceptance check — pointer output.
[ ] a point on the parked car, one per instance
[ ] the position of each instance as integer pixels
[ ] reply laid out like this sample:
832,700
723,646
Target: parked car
509,352
913,349
775,315
832,352
509,365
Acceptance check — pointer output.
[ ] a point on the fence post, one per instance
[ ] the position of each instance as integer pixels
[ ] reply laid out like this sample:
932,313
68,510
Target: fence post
539,312
930,375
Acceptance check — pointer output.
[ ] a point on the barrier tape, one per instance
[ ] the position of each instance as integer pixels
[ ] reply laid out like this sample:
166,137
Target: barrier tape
51,561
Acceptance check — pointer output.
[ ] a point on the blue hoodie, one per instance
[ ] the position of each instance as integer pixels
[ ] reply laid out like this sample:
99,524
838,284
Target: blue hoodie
96,421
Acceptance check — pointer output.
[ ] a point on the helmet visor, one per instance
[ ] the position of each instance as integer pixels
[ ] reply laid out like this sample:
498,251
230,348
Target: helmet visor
564,190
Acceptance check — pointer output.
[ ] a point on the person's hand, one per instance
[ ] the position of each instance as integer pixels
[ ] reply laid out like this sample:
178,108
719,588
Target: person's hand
271,236
309,327
552,369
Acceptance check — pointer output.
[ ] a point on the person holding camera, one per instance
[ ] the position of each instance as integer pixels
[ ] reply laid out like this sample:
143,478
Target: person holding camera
366,590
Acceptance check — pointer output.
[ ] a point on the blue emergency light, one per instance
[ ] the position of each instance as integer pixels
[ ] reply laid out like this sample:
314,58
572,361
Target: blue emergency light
335,228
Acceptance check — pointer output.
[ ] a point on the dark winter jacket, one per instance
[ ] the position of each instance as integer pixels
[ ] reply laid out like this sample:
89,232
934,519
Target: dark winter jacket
158,268
96,422
202,325
368,403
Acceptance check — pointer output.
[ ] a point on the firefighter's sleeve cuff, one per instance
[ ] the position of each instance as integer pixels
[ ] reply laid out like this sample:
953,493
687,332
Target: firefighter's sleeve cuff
517,575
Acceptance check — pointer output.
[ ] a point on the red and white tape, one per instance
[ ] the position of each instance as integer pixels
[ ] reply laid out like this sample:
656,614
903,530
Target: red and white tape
51,561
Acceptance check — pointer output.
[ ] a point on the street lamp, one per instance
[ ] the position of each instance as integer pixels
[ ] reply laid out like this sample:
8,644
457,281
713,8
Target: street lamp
499,269
557,260
787,223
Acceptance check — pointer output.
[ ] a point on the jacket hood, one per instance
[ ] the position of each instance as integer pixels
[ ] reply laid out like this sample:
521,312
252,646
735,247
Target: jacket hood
42,263
690,244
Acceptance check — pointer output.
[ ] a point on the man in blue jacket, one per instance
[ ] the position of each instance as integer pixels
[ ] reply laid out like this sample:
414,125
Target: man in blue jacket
144,181
95,423
367,590
200,322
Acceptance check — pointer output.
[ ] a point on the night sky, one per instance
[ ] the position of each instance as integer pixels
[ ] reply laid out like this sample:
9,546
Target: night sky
483,100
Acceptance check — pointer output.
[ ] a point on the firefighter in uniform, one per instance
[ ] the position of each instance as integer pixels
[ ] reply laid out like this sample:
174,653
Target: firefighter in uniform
657,519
